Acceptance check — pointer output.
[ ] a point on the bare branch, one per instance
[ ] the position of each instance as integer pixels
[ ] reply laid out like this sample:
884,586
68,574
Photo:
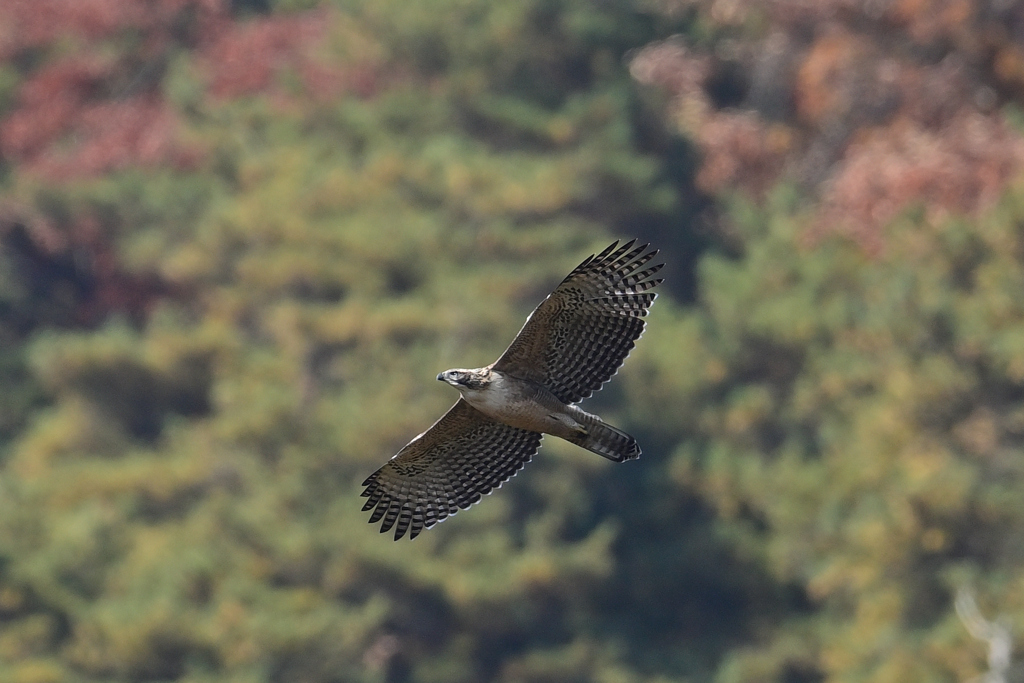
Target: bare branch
996,634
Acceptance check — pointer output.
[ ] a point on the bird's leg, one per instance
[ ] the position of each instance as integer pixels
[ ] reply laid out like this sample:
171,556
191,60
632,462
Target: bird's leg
578,429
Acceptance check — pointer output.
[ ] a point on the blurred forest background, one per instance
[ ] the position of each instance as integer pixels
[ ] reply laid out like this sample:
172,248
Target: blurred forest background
238,239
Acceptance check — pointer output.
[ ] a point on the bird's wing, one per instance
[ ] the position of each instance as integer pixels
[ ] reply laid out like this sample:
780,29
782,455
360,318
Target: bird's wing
578,337
462,457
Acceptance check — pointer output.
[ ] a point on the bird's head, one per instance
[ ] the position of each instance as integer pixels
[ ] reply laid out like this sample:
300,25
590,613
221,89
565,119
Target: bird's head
463,379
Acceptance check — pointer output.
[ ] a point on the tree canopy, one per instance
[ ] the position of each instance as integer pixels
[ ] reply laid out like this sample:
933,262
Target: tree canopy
239,239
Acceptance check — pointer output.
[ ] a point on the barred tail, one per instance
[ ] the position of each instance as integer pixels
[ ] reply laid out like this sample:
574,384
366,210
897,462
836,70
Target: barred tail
605,440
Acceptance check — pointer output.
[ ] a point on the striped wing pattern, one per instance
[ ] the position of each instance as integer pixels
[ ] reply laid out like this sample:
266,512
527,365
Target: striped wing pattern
462,457
579,336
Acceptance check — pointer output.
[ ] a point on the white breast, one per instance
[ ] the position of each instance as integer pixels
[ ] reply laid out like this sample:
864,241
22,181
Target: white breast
493,400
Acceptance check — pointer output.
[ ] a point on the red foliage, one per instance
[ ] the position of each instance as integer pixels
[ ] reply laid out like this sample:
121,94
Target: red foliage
961,167
49,103
33,23
37,23
847,98
88,111
247,57
112,135
738,147
63,129
95,109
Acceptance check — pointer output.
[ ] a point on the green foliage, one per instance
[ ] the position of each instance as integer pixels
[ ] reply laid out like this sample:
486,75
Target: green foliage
203,360
855,422
186,507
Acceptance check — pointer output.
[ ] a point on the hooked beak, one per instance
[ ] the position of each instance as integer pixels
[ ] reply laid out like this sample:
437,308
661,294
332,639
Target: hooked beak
440,376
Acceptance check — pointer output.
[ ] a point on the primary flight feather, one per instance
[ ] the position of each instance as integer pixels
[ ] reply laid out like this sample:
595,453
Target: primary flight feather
571,344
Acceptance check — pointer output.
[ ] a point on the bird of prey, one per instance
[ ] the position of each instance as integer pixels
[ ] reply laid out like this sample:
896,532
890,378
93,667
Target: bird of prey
571,344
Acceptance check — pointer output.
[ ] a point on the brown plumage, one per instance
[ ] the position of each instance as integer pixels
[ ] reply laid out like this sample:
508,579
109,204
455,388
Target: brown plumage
573,343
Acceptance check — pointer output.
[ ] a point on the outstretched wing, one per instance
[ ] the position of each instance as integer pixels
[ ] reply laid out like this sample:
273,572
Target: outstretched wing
462,457
578,337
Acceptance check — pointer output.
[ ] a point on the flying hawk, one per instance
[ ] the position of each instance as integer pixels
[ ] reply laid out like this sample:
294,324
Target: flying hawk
574,341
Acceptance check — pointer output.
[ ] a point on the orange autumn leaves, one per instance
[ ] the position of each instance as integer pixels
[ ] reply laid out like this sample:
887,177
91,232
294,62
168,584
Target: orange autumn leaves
872,109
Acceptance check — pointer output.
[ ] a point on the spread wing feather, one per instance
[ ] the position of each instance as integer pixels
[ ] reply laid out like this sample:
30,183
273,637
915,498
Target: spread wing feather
462,457
578,337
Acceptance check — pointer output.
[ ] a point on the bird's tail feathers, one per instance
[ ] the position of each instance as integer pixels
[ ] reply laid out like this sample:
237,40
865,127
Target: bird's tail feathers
605,440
